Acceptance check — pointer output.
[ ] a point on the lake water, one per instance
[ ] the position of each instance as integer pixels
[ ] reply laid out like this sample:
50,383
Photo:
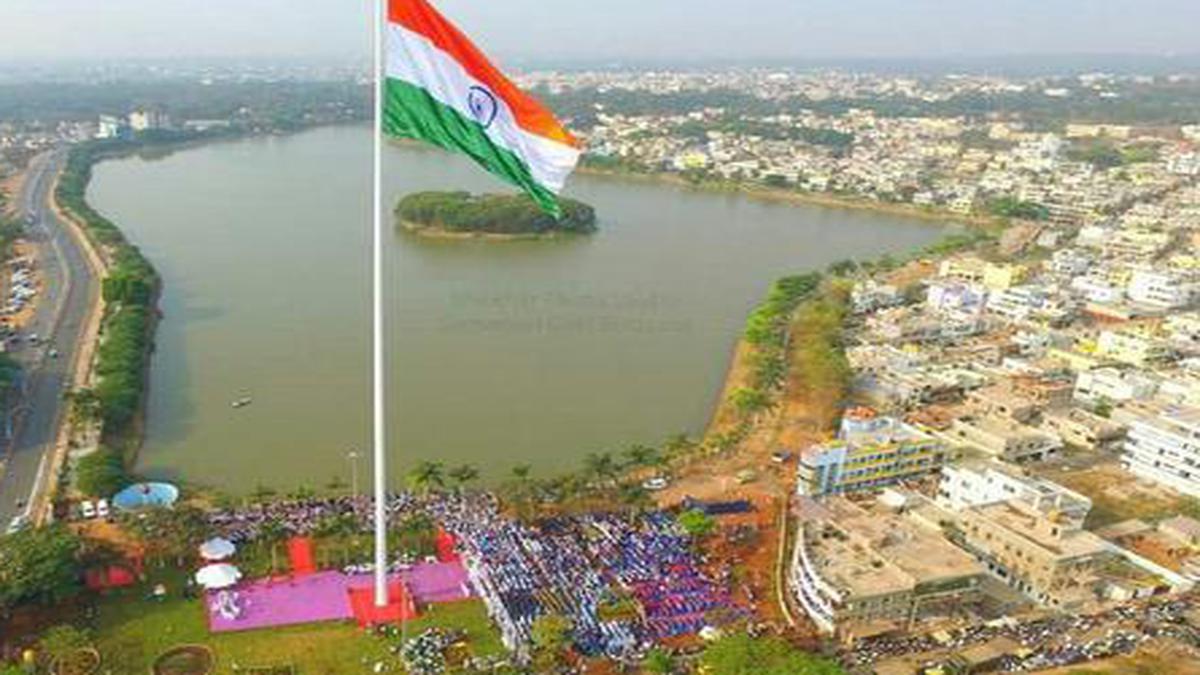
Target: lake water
500,352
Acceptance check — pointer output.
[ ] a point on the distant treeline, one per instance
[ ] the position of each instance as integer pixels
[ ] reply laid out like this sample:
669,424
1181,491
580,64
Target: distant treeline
1151,104
129,293
492,214
281,105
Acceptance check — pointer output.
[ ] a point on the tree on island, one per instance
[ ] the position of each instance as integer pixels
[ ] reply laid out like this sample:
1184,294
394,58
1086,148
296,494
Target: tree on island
491,214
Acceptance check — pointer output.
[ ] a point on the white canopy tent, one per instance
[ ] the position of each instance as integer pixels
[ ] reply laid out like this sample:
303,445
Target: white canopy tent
217,549
218,575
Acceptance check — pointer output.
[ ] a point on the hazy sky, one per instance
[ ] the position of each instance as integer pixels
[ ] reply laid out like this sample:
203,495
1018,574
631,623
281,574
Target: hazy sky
607,29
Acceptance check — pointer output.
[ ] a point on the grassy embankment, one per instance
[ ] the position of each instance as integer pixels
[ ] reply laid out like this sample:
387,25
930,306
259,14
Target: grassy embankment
129,292
790,352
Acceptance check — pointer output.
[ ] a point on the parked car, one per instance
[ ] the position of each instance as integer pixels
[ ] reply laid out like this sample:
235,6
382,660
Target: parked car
655,484
17,524
87,509
102,508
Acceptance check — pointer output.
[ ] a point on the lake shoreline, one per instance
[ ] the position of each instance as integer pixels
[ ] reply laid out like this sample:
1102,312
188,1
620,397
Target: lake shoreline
444,234
781,195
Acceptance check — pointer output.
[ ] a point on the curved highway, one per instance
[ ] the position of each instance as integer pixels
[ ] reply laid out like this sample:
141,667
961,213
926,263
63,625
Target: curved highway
69,288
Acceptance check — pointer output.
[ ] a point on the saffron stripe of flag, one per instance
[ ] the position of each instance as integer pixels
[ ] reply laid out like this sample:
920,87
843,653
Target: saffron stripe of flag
441,89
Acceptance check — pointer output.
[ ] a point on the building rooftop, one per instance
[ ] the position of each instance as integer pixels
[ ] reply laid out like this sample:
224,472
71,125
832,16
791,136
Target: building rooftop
1020,520
869,552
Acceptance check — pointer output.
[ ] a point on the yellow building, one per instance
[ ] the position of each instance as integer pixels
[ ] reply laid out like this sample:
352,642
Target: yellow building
870,453
1001,276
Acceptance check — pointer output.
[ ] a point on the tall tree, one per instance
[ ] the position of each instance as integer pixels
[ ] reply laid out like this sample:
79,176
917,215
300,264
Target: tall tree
39,566
601,466
463,474
271,535
639,455
427,476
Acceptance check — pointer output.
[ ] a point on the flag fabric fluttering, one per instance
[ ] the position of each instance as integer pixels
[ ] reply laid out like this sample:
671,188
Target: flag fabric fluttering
438,87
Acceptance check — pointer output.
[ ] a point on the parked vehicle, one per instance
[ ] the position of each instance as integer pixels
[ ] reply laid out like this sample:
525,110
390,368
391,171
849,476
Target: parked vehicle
102,509
655,484
87,509
17,524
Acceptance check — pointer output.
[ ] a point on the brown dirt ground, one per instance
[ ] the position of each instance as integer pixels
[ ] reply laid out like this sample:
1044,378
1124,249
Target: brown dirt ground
1116,495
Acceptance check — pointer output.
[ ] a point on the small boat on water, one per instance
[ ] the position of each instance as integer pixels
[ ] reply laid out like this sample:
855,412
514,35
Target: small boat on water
242,402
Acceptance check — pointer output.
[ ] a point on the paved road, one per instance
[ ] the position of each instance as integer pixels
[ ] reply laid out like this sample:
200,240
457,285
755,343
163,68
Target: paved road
69,288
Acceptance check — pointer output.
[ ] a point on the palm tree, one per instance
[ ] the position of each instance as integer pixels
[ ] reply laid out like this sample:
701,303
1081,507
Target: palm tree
302,492
336,484
521,472
600,466
750,402
262,493
679,445
723,443
415,534
639,455
633,495
463,474
426,476
326,530
271,534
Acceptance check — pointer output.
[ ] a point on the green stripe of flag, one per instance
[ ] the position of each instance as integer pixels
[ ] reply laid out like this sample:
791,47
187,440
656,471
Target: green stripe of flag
410,112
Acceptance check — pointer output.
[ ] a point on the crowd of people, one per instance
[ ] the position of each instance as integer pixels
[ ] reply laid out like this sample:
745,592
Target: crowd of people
576,567
656,562
300,516
580,568
1049,642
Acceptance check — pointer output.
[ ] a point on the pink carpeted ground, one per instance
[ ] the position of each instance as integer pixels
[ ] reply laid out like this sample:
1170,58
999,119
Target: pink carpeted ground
324,596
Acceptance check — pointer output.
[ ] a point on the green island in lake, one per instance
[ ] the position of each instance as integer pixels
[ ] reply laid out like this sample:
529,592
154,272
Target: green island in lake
462,214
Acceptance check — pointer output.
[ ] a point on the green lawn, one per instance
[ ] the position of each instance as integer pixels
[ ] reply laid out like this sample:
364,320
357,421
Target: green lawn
131,631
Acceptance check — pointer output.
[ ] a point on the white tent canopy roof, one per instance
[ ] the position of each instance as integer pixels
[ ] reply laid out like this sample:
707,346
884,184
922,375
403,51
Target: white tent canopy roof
219,575
217,549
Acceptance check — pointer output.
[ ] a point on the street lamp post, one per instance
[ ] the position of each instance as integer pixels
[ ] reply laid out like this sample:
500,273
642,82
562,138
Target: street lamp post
352,456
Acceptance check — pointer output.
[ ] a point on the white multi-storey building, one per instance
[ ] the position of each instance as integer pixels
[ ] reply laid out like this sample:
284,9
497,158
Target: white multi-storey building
1164,446
955,297
1163,289
1097,289
1017,303
986,482
1114,385
1132,347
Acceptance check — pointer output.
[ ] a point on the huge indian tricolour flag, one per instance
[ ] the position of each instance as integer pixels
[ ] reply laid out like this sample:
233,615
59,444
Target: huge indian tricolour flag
440,88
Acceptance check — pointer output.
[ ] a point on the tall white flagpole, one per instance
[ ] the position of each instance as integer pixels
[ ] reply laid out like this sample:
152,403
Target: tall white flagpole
378,418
